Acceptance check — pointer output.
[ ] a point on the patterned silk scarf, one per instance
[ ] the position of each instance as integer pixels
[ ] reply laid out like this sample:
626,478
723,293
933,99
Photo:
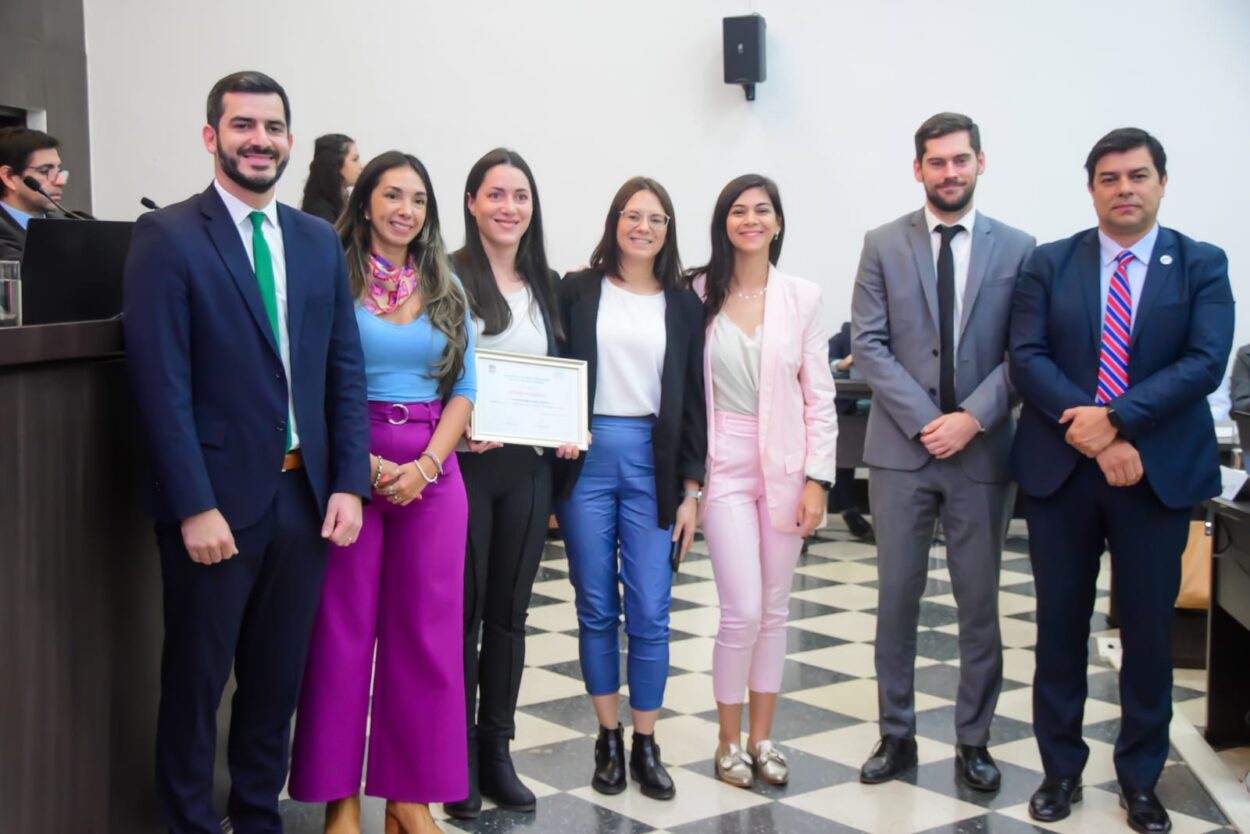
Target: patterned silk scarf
388,285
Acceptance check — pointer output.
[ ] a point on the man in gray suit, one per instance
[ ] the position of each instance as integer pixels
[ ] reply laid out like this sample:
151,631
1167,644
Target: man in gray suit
929,320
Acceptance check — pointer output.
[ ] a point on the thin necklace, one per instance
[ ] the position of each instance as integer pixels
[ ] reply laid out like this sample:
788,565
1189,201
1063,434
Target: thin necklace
751,296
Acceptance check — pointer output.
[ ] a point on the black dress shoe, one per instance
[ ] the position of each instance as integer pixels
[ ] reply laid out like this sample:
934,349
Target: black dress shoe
857,525
1054,799
1146,813
609,775
647,770
975,768
892,756
471,806
497,777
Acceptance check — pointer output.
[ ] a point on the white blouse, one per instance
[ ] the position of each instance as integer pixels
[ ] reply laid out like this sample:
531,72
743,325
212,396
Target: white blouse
735,367
631,341
525,333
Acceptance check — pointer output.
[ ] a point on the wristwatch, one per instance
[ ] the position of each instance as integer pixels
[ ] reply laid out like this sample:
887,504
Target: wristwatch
696,494
825,485
1114,419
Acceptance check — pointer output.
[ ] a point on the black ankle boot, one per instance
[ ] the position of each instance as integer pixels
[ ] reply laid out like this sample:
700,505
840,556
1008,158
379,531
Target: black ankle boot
497,777
647,770
469,807
609,775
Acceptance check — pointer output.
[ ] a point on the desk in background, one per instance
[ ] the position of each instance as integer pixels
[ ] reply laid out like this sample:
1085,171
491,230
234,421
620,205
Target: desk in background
1228,629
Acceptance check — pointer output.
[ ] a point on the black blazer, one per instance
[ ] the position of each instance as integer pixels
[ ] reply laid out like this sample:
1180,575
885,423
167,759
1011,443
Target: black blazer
321,207
679,436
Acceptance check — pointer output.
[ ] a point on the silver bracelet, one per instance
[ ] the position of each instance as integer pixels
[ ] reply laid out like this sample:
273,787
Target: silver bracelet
421,472
377,479
438,464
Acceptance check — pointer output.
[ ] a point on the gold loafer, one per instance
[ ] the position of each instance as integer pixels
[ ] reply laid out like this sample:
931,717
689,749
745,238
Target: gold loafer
770,764
733,766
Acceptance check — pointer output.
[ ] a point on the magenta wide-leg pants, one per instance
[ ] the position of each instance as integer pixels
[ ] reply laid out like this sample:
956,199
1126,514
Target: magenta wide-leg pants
400,587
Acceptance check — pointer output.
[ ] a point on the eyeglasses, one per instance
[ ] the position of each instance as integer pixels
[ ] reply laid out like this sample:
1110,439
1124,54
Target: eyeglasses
635,218
52,174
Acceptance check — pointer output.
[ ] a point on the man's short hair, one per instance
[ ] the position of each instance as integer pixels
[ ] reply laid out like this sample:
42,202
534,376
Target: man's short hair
944,124
248,81
18,144
1126,139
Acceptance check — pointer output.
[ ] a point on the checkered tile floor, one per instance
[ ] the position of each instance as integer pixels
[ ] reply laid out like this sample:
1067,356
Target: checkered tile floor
826,718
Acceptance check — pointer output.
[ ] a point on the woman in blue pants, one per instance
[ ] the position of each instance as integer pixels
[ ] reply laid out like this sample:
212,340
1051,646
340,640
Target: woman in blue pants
636,491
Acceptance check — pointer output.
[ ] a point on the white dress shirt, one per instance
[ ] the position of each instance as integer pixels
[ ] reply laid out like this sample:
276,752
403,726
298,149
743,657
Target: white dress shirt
631,341
240,213
961,251
1108,250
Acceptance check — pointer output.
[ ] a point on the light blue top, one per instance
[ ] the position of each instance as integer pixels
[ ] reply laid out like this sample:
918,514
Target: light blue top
23,219
1142,252
398,359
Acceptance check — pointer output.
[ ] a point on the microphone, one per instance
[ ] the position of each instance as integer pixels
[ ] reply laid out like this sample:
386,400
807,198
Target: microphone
148,203
33,185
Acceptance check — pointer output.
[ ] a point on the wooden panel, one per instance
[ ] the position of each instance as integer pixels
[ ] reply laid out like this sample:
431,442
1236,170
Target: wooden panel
79,596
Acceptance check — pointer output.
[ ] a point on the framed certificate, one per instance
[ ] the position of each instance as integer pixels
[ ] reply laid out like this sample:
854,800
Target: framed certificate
530,400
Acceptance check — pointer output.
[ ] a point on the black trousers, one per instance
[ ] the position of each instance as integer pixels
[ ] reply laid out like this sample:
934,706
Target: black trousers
1068,532
253,612
509,492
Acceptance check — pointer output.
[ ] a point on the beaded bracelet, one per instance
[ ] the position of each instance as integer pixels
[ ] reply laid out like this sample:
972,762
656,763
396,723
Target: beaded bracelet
377,479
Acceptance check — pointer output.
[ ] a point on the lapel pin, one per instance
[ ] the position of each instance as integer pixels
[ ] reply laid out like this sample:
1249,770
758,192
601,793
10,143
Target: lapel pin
1165,260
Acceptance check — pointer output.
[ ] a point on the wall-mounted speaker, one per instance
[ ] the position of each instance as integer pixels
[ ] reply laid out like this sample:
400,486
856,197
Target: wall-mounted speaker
744,52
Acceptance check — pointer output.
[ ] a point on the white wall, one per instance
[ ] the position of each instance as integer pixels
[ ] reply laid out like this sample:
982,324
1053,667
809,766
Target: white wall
594,92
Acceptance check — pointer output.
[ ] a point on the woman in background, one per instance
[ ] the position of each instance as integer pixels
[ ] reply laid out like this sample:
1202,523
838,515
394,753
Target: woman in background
400,585
637,487
771,444
511,292
334,169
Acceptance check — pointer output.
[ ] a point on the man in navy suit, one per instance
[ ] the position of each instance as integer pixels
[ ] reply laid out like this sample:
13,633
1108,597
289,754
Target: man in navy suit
1117,336
248,374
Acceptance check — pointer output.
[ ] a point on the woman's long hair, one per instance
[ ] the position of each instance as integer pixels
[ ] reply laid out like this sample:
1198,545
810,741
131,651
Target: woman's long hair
441,296
325,172
607,254
720,267
473,267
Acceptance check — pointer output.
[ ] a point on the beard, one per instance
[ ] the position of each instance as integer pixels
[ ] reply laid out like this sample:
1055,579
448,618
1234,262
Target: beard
257,185
958,204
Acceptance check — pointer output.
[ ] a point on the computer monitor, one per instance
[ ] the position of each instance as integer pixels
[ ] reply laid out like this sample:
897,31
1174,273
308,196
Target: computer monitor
1242,419
72,270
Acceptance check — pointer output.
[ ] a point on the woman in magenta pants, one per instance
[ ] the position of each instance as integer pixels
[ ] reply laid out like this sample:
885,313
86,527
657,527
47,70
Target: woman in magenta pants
399,587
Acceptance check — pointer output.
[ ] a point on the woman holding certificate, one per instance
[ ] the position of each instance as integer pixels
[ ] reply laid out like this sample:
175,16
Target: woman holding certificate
399,586
637,487
511,294
771,444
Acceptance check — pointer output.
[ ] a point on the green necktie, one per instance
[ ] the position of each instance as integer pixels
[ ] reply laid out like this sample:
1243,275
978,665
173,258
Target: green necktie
263,264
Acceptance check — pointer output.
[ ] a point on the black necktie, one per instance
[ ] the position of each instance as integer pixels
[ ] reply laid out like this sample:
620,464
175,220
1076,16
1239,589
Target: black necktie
946,317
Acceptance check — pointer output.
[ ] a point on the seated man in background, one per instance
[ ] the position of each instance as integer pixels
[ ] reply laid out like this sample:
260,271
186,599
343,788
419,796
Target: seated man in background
26,153
1239,388
847,496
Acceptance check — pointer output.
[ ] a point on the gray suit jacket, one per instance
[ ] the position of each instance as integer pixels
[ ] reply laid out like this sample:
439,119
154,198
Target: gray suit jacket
895,340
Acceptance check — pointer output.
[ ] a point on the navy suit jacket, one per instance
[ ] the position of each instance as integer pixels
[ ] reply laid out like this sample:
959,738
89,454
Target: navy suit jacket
206,371
1178,350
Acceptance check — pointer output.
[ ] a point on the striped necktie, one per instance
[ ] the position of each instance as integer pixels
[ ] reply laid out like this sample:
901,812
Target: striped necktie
1117,324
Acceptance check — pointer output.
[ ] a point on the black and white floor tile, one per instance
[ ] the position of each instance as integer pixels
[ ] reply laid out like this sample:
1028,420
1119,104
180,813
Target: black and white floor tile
826,719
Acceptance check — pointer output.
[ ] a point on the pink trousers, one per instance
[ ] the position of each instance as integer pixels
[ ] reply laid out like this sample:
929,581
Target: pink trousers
753,563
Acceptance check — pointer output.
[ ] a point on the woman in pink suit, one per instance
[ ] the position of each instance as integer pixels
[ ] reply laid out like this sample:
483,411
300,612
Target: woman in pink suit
771,439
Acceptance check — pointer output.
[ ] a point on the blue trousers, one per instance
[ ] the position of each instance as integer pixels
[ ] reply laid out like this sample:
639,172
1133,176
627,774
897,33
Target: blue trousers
612,509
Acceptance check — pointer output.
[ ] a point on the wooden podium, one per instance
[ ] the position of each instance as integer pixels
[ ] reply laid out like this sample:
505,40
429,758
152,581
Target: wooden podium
80,594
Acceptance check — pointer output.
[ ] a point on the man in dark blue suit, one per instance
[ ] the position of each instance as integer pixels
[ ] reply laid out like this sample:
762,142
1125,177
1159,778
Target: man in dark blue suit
1117,336
248,373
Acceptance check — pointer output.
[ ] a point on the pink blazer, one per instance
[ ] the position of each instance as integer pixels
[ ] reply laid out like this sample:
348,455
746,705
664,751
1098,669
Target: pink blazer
798,429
